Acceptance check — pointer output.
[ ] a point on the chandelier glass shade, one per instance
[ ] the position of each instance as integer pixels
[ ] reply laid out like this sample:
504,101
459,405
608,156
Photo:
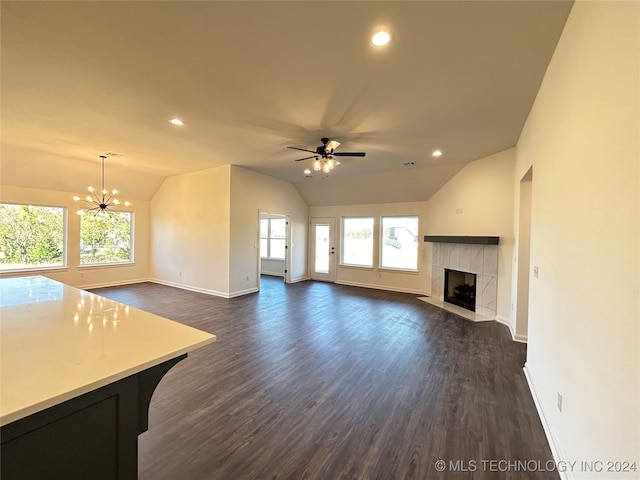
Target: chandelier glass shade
100,201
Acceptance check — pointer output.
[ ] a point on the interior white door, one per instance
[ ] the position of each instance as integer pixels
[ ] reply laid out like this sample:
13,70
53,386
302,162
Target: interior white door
323,249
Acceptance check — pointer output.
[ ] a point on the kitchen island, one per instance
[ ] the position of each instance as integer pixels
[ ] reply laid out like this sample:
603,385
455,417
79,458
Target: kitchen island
77,373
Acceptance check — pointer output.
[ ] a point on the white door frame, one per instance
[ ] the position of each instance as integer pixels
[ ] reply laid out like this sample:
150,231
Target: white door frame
523,274
287,251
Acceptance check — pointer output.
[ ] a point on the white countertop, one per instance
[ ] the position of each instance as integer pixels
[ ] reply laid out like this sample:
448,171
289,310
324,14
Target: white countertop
58,342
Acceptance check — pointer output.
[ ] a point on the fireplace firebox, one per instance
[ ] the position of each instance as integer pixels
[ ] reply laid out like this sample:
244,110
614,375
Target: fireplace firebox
460,288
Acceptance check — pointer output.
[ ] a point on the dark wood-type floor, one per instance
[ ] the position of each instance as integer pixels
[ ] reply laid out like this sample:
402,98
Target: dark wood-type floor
322,381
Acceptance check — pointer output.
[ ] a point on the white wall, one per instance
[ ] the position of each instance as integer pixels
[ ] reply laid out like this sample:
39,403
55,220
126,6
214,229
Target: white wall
87,276
251,193
385,279
272,266
478,200
582,138
190,231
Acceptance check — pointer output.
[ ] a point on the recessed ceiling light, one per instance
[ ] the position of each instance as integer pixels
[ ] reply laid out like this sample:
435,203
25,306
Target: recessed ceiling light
307,171
176,121
381,38
437,153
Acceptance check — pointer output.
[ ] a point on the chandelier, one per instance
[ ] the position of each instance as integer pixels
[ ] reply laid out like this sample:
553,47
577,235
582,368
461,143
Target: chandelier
101,201
324,164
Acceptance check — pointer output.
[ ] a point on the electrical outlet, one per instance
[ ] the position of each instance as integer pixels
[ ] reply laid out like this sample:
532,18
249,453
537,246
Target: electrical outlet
559,402
459,211
180,274
247,278
536,271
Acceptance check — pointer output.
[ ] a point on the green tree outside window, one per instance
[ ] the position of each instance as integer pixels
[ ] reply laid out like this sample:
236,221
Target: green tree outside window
31,236
105,238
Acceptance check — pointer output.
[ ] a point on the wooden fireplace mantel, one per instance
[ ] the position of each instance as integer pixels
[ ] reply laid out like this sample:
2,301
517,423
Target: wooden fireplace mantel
462,239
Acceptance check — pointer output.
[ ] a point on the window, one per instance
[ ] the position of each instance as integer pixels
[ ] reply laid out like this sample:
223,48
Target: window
31,236
105,238
273,232
357,241
399,243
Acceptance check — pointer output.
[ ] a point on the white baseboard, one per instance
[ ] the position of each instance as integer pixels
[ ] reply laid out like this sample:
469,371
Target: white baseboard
299,279
272,274
239,293
520,338
504,321
548,431
191,288
380,287
516,337
181,286
116,283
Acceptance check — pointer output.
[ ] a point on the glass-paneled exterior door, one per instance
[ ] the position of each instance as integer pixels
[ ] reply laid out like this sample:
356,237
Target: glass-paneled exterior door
323,249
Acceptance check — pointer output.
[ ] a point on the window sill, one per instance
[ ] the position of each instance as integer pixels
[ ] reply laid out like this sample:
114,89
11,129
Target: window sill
92,266
399,270
28,271
356,267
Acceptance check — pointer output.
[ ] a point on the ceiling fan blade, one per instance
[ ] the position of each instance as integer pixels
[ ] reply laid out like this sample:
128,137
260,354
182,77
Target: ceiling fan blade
332,145
306,158
302,149
349,154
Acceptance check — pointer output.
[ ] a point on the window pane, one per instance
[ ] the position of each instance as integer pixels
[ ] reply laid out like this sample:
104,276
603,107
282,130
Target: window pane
31,237
322,248
400,242
277,248
105,238
264,228
357,241
278,228
273,232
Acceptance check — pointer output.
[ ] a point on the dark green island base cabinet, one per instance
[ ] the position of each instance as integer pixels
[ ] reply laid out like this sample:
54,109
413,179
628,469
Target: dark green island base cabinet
78,372
90,437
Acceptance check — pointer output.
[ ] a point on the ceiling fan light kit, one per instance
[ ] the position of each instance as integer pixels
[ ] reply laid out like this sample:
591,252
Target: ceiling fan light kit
323,155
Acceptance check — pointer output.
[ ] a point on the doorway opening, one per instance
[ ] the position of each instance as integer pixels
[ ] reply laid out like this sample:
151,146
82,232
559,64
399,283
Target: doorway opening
273,256
524,256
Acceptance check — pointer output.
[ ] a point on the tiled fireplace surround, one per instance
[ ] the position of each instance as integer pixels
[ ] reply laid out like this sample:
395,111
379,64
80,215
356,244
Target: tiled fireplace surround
479,259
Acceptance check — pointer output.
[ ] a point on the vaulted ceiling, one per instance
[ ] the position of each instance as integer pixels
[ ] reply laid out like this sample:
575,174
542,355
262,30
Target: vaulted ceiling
80,79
